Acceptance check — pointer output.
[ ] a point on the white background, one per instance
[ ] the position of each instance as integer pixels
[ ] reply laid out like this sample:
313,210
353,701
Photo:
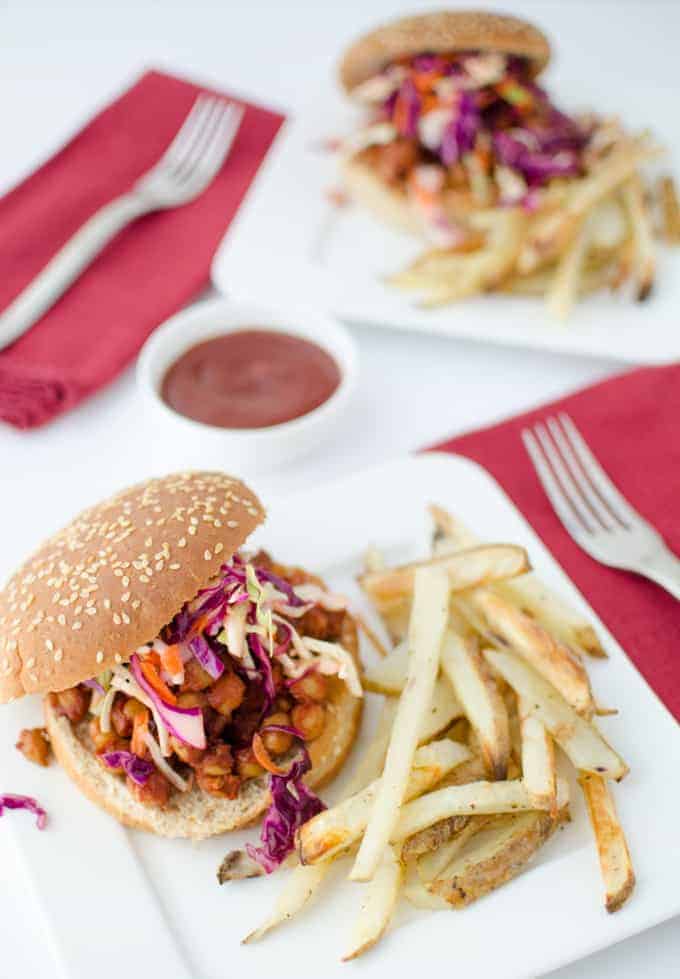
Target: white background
58,62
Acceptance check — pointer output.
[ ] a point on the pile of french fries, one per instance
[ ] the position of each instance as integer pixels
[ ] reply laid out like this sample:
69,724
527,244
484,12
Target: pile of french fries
588,233
460,786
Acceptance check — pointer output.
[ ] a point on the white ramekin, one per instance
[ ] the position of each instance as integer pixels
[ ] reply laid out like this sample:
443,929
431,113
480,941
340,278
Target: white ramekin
182,442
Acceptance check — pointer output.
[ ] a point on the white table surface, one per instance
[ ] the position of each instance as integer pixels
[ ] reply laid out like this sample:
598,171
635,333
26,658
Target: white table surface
58,61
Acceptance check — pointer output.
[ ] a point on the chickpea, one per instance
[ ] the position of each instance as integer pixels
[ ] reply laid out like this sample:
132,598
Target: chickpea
217,761
132,708
186,753
120,718
72,703
214,773
195,677
154,792
102,741
227,693
311,686
192,699
247,765
284,703
34,745
277,742
309,719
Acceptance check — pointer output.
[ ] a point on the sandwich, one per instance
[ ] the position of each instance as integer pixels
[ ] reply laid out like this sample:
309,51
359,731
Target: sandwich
461,146
189,686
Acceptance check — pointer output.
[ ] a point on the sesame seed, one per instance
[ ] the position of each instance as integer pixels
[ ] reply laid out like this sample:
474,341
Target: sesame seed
144,578
58,655
49,644
90,611
173,567
160,565
125,581
182,542
219,547
77,625
125,597
61,619
118,658
116,618
207,555
30,662
232,523
100,656
136,603
107,603
126,618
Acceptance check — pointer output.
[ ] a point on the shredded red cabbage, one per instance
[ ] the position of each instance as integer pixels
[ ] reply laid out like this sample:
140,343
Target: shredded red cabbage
208,659
264,664
139,769
292,805
10,801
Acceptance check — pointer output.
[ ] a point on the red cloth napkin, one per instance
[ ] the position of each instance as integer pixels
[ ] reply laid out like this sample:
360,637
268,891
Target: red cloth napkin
151,270
631,422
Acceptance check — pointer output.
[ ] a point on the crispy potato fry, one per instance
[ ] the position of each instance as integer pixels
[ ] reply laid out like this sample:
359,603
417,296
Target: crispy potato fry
533,597
426,631
615,863
443,276
337,828
478,695
667,194
371,635
504,625
389,675
579,739
301,885
563,291
377,904
418,895
433,837
644,261
431,865
494,857
538,759
477,798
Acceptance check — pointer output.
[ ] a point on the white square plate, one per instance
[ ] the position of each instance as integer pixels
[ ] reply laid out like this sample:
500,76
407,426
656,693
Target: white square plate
112,897
287,239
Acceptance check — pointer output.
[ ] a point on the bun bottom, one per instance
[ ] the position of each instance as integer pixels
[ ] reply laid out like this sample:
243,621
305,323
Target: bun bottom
195,814
389,205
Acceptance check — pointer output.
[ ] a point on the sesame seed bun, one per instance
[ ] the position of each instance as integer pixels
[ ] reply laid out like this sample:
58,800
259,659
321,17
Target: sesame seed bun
196,814
442,32
118,573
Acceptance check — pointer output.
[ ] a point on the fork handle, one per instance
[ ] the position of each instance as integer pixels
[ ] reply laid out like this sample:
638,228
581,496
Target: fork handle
664,569
65,267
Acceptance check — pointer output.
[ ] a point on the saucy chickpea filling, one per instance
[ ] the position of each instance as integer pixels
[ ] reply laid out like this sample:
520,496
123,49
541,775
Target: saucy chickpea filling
226,692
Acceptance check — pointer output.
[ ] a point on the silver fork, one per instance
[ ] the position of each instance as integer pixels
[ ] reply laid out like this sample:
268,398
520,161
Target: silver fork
592,509
189,164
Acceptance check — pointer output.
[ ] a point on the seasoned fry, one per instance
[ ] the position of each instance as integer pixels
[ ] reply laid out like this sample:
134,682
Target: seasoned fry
482,704
478,798
426,631
337,828
377,904
538,759
670,209
433,837
615,863
644,261
578,738
494,857
431,864
553,660
527,591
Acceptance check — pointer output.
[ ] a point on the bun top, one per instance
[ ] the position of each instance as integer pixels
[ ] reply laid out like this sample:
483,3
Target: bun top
112,578
442,32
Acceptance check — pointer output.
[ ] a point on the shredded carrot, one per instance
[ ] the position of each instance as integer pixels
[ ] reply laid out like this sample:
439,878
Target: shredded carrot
200,624
153,679
171,660
424,80
140,725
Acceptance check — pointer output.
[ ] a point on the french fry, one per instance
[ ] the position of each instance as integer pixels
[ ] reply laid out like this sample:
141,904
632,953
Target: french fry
433,838
615,863
301,885
478,798
538,759
527,591
471,568
431,864
495,857
371,635
389,674
377,904
426,630
337,828
373,757
644,261
579,739
478,695
538,647
417,894
562,292
667,194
